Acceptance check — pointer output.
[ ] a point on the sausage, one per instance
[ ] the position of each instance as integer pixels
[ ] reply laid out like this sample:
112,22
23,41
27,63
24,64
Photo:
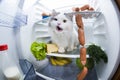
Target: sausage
91,9
83,55
85,7
81,36
76,9
83,73
79,21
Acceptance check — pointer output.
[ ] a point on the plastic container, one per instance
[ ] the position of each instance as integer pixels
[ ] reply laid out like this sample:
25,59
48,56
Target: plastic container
8,66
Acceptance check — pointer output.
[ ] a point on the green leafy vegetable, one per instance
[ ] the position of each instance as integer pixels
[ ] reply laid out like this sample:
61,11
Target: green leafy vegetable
89,64
97,53
39,50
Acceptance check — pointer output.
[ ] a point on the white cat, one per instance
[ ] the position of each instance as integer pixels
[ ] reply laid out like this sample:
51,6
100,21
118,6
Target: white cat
62,32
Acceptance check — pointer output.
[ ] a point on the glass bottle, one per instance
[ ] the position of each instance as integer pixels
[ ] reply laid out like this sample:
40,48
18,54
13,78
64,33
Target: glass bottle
8,65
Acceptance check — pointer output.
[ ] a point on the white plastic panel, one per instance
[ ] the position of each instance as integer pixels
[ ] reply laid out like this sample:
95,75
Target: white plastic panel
106,71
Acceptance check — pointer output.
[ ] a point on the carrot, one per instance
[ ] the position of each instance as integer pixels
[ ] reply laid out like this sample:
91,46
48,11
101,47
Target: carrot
83,55
81,36
82,74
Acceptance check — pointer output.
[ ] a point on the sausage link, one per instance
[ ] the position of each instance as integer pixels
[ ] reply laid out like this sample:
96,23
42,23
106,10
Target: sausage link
83,73
81,36
83,55
85,7
79,21
91,9
76,9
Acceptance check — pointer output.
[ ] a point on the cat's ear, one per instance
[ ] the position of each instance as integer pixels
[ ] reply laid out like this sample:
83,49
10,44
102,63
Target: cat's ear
54,13
69,16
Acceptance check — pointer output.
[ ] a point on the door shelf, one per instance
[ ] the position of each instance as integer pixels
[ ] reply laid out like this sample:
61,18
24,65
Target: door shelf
12,21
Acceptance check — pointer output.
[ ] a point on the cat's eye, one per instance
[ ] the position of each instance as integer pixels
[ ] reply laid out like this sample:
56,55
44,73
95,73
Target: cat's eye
64,21
55,19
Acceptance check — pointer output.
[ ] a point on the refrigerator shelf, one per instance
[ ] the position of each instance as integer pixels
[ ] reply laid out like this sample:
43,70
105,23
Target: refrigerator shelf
12,21
65,55
87,15
46,74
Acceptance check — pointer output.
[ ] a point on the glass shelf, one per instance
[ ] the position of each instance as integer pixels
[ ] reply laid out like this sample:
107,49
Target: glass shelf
58,72
87,14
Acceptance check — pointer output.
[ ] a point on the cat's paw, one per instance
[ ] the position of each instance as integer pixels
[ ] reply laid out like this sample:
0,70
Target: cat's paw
61,50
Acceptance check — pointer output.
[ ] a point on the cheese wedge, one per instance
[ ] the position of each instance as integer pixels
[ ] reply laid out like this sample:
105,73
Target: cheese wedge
52,48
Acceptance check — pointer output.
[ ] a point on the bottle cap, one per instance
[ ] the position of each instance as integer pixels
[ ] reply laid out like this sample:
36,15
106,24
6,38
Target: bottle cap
3,47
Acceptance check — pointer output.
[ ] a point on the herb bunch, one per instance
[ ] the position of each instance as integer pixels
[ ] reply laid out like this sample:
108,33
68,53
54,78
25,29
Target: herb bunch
97,53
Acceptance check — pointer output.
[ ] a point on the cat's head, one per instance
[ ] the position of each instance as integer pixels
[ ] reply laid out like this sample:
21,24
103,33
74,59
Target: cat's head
60,22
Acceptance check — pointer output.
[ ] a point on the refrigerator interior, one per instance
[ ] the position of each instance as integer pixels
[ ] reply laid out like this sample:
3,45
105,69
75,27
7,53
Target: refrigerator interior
103,28
103,33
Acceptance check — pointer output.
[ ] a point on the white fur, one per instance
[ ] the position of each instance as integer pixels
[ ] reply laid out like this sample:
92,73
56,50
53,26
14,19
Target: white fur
67,38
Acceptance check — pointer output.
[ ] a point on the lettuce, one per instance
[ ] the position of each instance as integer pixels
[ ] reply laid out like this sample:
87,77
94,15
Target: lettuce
39,50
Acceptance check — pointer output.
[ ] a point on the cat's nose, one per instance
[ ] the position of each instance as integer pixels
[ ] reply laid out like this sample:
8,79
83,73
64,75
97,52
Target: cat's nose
58,23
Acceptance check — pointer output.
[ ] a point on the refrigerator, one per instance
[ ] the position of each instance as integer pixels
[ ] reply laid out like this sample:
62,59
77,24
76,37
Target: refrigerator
20,25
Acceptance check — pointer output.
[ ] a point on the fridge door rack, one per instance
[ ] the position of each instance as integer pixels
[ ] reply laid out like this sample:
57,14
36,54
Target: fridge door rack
12,21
